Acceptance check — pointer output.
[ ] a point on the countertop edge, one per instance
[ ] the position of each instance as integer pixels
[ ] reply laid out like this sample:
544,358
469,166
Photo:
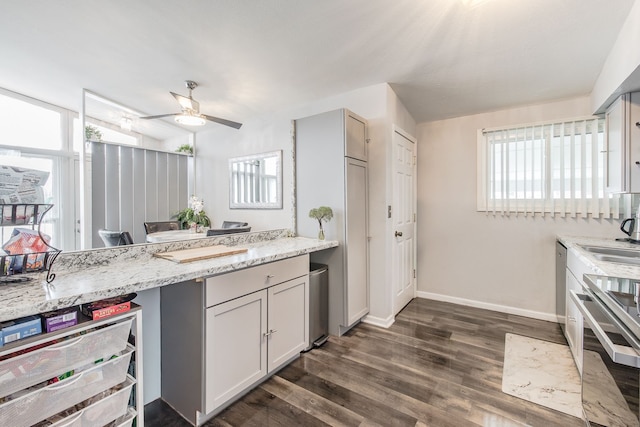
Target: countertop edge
20,300
601,267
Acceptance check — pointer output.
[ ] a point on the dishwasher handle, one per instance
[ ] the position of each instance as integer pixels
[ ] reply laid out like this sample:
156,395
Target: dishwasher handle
620,354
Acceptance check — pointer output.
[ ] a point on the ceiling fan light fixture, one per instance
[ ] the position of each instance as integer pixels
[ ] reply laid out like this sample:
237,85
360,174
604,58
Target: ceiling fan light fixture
190,120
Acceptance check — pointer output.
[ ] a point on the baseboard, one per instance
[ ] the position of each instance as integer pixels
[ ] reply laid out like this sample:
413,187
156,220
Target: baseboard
379,321
550,317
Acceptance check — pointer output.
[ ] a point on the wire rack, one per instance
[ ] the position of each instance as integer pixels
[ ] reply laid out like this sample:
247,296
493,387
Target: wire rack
15,265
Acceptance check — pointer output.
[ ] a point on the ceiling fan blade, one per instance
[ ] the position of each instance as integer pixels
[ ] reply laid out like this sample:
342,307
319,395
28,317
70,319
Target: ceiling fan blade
229,123
186,102
159,116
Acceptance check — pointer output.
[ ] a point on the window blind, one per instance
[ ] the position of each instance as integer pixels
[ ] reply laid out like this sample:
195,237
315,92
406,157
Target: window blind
548,168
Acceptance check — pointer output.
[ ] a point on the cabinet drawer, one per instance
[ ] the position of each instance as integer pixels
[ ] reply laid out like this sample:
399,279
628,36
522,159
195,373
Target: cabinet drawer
228,286
41,403
107,409
124,420
48,362
577,266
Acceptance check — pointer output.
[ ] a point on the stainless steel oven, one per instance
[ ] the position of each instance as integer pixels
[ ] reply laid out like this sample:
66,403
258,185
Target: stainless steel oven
611,351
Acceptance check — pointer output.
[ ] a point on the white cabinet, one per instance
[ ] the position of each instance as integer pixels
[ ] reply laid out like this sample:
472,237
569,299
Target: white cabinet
573,321
357,293
332,170
355,136
623,144
576,269
242,327
93,393
235,349
288,321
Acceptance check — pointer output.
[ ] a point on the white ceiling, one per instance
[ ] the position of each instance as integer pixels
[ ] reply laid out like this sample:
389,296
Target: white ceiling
443,58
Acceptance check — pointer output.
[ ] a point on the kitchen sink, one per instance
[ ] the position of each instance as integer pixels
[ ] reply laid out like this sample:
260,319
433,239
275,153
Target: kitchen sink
618,252
616,255
617,259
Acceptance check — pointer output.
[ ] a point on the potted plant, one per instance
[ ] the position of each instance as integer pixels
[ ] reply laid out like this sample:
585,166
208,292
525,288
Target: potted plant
185,148
92,133
322,214
193,217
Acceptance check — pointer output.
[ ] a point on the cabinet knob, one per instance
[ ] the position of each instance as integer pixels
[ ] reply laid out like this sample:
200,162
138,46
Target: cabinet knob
270,276
398,233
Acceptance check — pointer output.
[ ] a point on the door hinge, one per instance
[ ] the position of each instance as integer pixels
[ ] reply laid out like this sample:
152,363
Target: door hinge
415,160
414,217
414,273
389,211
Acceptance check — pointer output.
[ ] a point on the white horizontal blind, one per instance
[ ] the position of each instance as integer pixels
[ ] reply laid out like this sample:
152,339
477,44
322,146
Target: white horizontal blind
555,168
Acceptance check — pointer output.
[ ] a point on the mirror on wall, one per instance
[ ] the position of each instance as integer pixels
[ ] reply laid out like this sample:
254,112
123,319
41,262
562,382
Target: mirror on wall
255,181
130,172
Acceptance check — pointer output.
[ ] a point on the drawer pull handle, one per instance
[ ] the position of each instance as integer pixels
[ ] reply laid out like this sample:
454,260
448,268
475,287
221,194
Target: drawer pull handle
64,344
72,419
65,383
270,276
271,332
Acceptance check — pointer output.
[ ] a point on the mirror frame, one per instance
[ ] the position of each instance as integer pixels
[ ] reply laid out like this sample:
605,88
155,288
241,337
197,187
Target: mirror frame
278,204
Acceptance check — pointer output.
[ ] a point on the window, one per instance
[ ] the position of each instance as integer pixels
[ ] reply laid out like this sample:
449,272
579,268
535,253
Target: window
544,168
36,135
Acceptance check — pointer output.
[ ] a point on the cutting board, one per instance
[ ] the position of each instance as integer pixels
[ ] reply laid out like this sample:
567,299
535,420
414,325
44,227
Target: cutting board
197,254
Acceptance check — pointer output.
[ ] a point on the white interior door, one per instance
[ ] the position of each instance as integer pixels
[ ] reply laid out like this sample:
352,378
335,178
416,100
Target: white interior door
404,219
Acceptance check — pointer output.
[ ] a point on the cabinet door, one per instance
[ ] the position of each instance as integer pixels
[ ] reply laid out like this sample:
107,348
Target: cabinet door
356,242
573,330
615,142
355,136
235,347
288,320
632,130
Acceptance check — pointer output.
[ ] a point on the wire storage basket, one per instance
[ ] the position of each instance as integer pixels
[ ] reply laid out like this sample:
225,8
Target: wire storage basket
16,260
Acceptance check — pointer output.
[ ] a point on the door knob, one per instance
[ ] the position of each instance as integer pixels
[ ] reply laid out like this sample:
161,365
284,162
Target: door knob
398,233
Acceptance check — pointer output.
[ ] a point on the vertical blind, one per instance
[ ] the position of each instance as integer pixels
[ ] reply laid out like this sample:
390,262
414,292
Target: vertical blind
253,181
132,185
555,168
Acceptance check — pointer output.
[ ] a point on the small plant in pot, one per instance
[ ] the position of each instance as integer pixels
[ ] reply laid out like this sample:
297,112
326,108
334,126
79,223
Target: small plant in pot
322,214
193,217
92,133
185,148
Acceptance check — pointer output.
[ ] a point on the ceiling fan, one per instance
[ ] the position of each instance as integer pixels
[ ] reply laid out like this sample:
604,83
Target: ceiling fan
190,114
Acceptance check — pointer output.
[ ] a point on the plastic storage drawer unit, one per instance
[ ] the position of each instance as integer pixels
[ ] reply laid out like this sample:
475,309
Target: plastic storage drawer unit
41,403
26,370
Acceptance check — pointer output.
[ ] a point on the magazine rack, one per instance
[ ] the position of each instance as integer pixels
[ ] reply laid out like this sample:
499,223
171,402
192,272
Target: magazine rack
12,265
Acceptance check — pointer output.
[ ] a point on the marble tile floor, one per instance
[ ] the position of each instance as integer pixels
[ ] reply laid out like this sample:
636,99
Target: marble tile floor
542,372
439,364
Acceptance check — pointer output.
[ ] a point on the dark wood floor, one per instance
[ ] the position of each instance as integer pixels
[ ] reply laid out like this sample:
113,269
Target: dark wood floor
440,364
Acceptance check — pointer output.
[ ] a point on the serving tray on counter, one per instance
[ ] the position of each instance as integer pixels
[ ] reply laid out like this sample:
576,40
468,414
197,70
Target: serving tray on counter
198,254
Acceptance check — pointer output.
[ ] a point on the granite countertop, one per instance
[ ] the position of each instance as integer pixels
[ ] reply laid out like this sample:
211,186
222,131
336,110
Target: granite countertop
97,274
604,268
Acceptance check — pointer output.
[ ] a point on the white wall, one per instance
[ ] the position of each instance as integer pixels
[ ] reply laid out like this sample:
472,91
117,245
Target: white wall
380,196
468,255
268,133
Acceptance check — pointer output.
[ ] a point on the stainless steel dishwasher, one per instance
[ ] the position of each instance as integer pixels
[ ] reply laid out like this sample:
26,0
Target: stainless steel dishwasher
318,305
561,283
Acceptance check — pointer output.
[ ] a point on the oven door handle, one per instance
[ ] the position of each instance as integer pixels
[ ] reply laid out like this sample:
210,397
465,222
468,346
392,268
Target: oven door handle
618,353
